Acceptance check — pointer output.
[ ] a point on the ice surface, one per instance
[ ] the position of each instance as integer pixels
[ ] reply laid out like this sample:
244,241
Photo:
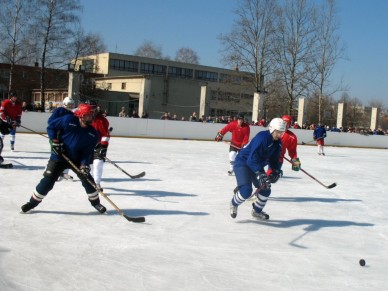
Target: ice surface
313,241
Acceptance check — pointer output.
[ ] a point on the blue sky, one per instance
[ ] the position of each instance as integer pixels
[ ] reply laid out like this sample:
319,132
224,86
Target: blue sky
172,24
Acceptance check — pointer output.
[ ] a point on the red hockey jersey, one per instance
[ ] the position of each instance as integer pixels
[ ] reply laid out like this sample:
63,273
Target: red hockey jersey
240,134
289,143
101,124
12,110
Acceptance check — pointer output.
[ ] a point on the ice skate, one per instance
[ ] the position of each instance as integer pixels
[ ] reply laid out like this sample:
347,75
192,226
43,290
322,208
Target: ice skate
100,208
27,207
260,215
12,147
233,210
230,173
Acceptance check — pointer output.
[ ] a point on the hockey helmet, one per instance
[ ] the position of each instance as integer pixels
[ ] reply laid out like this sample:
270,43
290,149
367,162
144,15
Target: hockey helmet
277,124
240,116
84,109
68,101
287,119
13,94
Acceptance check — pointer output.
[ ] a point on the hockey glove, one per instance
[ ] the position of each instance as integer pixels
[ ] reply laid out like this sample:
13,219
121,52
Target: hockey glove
84,171
274,176
16,123
263,180
57,147
219,136
5,128
100,152
296,164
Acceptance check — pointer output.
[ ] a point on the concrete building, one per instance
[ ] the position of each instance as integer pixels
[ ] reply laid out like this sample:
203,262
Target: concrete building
156,86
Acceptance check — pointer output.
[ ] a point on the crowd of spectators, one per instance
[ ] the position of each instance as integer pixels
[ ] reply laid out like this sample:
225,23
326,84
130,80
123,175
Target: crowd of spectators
36,107
263,122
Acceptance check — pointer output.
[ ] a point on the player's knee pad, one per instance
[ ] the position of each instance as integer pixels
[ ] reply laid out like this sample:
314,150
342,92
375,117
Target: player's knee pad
265,192
53,169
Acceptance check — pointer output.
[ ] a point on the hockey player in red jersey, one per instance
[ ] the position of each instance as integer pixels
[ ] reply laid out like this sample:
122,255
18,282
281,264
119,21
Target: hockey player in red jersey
11,112
101,124
289,143
240,137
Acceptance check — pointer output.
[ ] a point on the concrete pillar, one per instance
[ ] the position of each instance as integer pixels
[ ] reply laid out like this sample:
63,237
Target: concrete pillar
301,111
340,115
257,108
374,118
203,102
74,86
144,96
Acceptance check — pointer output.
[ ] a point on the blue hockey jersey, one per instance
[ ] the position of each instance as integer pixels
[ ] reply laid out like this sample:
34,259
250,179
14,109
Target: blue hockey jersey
259,152
79,142
319,132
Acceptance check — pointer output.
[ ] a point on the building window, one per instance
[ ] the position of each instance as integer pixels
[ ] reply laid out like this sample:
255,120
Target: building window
180,72
122,65
206,76
146,68
123,86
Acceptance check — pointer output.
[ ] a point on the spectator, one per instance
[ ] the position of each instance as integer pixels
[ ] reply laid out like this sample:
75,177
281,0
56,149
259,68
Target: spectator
144,114
165,116
296,125
134,114
193,117
123,112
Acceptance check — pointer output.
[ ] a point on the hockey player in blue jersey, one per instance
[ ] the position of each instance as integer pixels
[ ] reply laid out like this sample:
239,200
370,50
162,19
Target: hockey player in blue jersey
74,136
249,165
319,135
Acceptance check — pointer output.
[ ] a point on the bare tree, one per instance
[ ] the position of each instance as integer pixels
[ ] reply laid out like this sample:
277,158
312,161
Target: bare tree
150,50
247,47
15,17
329,50
187,55
294,49
354,114
53,29
85,44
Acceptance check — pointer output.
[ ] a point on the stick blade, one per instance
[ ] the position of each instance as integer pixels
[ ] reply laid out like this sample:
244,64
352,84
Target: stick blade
135,219
142,174
332,186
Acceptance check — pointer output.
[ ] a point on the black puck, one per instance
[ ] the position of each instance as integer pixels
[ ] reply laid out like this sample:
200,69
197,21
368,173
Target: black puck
362,262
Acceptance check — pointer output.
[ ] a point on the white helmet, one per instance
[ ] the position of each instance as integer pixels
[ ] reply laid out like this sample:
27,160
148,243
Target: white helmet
68,101
277,124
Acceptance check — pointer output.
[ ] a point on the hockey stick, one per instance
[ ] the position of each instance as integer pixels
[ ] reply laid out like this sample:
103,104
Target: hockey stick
34,131
303,143
232,145
312,177
78,171
142,174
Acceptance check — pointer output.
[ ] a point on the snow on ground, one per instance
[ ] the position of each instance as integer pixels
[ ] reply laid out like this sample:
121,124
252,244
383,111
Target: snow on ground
313,241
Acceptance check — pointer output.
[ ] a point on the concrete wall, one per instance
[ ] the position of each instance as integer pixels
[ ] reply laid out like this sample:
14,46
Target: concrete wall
153,128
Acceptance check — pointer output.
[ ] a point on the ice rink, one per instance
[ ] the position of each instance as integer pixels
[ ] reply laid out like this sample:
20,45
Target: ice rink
313,241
